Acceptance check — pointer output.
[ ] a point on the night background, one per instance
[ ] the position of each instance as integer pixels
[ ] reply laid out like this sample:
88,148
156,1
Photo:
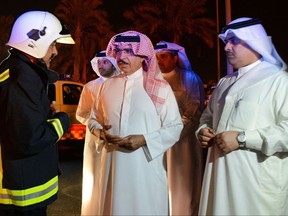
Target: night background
202,57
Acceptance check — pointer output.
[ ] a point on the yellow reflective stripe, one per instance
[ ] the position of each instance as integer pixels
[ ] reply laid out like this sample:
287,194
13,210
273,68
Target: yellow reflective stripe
58,127
4,75
29,196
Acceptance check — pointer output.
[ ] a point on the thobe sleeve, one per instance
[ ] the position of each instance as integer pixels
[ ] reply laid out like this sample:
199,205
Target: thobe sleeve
192,104
273,138
160,140
95,121
206,119
84,105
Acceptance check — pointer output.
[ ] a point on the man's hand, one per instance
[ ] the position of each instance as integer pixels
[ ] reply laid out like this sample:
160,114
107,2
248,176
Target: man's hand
204,136
107,137
226,141
131,142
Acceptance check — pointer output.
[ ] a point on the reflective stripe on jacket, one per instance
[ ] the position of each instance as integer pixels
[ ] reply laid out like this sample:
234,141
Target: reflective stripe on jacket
29,135
28,196
58,127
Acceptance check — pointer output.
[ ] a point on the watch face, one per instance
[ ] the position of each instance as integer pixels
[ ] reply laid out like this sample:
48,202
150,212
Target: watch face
241,138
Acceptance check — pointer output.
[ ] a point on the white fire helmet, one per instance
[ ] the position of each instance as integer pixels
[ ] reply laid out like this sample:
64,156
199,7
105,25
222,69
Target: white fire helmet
34,31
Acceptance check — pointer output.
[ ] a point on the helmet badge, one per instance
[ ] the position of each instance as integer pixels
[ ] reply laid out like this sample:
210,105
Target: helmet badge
35,34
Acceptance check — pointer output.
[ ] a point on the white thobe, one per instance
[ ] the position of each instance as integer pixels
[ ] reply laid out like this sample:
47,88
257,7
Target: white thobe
185,163
135,182
251,181
90,156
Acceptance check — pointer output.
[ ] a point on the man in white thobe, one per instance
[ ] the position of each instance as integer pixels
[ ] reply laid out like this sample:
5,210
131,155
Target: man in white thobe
245,127
136,119
185,161
105,67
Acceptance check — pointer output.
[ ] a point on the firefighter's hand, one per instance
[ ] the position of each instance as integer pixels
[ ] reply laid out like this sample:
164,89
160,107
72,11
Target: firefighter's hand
54,108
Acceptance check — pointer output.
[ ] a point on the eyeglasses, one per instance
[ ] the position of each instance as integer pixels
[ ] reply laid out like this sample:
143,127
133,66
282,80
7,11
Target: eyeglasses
127,51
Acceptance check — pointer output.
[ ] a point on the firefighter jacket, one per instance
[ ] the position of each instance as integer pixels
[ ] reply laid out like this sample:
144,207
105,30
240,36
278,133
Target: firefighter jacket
28,134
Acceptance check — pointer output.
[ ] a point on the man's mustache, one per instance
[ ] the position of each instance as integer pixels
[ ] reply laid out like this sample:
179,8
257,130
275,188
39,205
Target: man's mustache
121,62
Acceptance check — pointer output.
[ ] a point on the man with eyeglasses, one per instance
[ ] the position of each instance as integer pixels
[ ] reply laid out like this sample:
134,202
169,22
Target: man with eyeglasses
245,128
136,119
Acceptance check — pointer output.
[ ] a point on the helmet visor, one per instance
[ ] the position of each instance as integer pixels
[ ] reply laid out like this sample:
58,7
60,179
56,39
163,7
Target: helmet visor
64,36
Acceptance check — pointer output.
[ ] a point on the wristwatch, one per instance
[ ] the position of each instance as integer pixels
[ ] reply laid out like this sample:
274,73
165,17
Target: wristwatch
241,138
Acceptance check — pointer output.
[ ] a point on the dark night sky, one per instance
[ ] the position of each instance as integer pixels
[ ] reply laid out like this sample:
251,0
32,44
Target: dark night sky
273,14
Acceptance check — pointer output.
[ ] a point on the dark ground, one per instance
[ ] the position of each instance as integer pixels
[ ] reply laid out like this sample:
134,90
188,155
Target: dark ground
70,186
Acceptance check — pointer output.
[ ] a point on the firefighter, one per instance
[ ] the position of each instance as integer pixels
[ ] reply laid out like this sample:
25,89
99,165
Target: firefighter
29,131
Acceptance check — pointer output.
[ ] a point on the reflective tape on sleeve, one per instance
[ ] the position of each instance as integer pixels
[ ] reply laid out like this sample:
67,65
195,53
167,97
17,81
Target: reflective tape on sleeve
4,75
58,127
